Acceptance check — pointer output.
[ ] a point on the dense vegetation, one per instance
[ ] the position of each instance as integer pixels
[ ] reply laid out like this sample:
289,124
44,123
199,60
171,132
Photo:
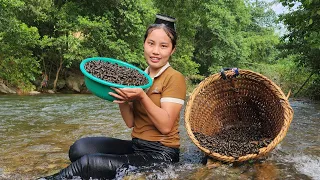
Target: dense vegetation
53,36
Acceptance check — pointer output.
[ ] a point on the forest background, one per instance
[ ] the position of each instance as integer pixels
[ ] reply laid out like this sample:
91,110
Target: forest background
52,37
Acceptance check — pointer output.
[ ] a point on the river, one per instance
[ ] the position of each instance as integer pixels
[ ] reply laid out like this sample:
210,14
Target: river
36,132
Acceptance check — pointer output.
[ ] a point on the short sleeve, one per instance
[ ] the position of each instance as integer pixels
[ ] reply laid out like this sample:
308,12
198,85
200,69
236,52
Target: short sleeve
174,89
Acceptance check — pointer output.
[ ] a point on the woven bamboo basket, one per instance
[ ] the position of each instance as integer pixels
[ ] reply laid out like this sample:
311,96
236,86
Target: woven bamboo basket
247,101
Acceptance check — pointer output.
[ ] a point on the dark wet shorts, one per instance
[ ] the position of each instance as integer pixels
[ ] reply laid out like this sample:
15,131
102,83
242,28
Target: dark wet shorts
100,157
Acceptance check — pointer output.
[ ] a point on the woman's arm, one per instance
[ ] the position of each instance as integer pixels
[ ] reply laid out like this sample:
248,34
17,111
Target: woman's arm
127,113
163,117
125,107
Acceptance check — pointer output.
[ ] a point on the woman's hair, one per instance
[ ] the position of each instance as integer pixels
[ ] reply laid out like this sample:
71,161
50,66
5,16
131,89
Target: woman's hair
172,34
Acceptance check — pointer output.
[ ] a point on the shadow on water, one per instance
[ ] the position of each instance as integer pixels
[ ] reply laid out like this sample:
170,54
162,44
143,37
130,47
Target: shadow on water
36,132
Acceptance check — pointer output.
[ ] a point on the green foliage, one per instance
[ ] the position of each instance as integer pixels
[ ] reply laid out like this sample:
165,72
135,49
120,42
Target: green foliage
17,63
313,90
302,39
21,72
284,73
219,39
55,36
72,31
117,30
261,47
186,27
222,33
185,65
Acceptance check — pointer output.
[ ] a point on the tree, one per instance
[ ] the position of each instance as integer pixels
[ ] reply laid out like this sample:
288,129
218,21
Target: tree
260,39
18,65
72,31
116,30
221,33
303,25
303,37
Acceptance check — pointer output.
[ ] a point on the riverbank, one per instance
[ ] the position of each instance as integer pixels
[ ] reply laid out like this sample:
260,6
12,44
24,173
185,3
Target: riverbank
71,83
74,84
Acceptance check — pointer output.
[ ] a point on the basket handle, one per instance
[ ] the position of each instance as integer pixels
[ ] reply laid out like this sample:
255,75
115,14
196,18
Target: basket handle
288,95
235,71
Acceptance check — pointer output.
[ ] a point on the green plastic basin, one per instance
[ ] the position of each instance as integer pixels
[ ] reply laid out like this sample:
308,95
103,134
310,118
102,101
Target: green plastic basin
101,88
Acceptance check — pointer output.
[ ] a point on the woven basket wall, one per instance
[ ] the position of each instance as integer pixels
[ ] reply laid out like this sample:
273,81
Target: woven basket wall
245,101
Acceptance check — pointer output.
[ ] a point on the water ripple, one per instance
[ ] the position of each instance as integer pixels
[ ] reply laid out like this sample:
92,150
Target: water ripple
40,129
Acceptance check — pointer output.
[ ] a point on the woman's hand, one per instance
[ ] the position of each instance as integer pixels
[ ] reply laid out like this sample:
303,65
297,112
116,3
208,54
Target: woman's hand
163,117
124,95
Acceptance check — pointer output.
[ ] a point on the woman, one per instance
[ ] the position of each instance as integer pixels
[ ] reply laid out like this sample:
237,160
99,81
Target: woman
153,115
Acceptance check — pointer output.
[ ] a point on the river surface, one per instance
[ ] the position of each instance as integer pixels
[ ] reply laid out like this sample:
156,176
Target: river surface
36,132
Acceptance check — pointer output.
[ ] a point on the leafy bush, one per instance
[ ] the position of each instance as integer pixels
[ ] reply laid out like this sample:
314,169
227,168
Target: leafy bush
286,74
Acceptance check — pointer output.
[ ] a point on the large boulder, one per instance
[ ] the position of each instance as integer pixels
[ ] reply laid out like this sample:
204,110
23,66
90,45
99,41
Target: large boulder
61,84
75,82
4,89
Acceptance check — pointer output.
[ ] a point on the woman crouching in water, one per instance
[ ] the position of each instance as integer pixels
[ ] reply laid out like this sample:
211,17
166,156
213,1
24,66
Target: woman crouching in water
153,116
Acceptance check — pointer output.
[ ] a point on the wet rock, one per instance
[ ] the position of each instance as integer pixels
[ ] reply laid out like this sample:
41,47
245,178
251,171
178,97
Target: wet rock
211,163
74,82
34,92
51,92
5,89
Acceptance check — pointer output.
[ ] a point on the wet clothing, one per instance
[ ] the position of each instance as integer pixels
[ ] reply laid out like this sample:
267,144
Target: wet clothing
100,157
168,86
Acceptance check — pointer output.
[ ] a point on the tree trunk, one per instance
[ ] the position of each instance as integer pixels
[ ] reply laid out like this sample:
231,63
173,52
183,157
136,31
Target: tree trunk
57,75
305,82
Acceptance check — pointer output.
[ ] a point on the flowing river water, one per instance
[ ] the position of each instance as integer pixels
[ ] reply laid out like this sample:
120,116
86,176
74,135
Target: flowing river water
36,132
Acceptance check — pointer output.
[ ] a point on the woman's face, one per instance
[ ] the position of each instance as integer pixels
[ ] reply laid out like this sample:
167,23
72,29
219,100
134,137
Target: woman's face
157,49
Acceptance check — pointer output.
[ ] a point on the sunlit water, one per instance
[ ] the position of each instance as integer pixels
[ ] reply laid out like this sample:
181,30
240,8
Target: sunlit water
36,132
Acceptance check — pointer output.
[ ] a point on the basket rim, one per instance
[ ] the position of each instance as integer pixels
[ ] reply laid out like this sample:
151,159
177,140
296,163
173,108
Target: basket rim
114,61
288,114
